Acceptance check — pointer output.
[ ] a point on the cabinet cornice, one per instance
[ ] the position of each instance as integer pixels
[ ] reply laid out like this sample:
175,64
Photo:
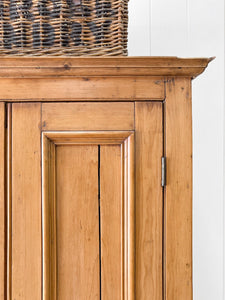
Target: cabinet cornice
36,67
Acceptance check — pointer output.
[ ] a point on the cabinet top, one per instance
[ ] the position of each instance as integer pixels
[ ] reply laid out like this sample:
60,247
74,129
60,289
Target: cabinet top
38,67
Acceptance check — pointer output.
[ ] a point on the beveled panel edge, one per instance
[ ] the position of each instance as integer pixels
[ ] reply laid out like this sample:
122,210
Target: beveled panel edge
49,250
9,202
129,218
49,255
36,67
3,203
87,137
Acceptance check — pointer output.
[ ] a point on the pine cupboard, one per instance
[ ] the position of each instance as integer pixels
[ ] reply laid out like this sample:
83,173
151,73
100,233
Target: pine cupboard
96,178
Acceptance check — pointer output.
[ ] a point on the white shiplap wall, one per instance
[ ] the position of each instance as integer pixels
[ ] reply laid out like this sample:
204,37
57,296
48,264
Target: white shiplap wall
195,28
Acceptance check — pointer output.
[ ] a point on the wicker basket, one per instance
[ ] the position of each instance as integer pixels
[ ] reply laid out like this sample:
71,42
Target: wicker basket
63,27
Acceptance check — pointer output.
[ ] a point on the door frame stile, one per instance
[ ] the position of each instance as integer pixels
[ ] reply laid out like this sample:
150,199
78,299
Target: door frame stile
178,191
9,201
3,203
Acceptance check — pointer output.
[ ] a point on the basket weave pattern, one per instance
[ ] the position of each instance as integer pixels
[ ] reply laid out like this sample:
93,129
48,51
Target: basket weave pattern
63,27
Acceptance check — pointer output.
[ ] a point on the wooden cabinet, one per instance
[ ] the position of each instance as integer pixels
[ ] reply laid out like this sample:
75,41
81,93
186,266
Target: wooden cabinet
84,213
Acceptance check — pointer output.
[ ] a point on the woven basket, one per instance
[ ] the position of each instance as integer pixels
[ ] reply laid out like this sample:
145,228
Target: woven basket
63,27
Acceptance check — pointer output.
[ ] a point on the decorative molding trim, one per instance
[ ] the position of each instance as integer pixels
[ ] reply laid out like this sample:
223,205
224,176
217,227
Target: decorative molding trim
49,235
17,67
9,201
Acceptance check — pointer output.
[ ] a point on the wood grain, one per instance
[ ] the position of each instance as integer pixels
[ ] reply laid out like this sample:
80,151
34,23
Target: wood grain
178,193
87,137
77,222
2,201
129,217
149,201
26,202
112,222
92,79
116,199
9,202
88,116
82,89
108,87
101,66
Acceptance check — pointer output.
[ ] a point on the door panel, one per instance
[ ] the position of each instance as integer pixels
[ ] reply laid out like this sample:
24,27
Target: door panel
77,222
111,208
88,116
85,228
92,200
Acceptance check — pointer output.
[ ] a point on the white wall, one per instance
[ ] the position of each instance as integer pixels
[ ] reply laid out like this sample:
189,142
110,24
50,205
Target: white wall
195,28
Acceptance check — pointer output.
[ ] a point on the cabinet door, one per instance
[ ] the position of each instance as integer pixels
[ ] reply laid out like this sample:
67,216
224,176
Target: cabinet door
85,203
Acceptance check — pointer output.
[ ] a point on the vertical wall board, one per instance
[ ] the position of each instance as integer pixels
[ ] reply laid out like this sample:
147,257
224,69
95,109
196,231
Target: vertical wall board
169,28
207,38
2,200
178,191
139,28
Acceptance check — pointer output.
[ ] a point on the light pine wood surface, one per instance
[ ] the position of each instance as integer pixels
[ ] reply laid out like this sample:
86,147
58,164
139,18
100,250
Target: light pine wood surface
92,79
178,192
81,142
2,200
109,137
88,116
101,66
115,209
77,222
26,201
82,89
49,221
112,219
8,116
149,200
